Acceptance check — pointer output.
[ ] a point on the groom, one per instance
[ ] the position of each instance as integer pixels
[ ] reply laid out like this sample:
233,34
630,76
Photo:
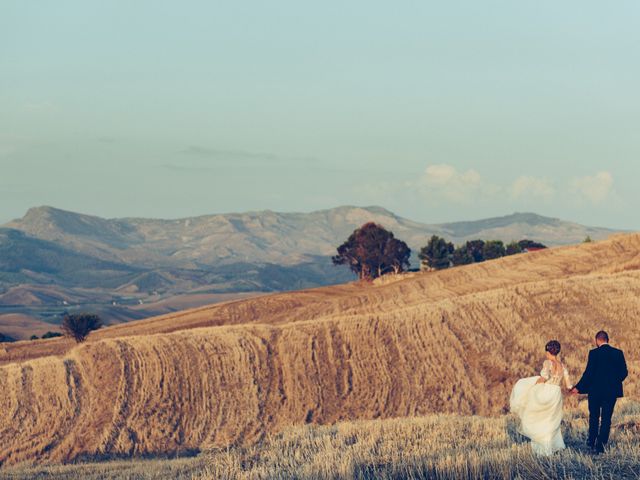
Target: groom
602,380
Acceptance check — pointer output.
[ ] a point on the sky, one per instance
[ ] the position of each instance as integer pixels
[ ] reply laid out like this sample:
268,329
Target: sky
438,111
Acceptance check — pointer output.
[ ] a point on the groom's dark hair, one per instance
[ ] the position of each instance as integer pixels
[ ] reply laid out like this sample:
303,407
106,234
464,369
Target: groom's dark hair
602,336
553,347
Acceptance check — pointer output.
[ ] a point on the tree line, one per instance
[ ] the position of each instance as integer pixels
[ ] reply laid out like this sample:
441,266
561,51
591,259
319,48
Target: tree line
372,251
439,253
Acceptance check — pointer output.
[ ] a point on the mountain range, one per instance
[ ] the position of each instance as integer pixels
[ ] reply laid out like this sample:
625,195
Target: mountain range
52,260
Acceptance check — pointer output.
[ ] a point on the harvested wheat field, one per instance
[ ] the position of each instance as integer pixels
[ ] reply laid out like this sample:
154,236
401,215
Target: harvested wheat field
431,447
445,447
444,342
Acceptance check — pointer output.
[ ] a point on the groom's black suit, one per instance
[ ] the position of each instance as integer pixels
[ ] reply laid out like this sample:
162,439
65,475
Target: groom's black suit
602,380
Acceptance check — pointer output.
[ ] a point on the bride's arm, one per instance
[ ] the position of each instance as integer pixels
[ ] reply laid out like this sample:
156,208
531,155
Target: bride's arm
545,373
567,379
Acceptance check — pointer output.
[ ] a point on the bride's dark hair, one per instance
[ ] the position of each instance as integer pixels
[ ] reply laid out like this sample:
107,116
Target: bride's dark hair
553,347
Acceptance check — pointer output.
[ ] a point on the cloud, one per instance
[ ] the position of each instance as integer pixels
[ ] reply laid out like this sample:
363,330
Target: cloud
219,154
446,175
200,158
468,190
525,187
187,168
446,182
595,189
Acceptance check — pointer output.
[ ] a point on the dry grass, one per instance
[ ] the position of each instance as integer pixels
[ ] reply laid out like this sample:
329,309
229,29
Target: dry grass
177,469
446,342
430,447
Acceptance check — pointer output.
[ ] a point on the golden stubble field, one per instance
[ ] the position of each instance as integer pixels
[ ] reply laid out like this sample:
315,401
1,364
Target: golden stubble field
431,447
449,342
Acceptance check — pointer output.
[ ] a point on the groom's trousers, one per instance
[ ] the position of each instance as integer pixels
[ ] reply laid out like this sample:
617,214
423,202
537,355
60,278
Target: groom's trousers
600,412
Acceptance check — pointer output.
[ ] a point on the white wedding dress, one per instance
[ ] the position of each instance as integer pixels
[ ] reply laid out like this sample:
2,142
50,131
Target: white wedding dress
539,407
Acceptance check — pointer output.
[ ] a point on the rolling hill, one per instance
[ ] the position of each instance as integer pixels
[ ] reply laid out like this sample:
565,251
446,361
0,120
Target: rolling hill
53,261
452,341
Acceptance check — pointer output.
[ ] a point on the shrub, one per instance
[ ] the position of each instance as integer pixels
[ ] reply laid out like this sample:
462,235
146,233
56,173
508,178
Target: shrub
526,244
80,325
51,335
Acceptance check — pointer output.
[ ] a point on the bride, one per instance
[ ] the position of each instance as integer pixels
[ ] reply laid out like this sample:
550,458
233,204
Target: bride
537,401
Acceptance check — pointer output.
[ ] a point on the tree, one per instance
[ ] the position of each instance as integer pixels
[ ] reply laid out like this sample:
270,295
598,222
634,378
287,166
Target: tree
527,244
33,337
462,256
80,325
396,255
372,251
476,249
493,249
437,253
587,239
513,248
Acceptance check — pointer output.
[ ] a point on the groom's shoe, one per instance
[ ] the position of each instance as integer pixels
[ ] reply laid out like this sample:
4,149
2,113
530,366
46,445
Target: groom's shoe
591,444
598,449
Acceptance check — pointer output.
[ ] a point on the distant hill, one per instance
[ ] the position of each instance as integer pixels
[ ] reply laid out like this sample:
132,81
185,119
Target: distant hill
550,231
6,338
27,259
266,236
71,260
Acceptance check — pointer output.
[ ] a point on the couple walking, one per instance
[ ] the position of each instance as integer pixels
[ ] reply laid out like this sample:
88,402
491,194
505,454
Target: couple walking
537,401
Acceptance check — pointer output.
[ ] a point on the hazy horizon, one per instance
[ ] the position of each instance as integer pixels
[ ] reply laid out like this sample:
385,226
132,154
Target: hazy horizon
437,112
453,220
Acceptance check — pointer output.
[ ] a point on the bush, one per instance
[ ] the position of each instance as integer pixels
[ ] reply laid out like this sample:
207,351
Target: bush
526,244
80,325
51,335
33,337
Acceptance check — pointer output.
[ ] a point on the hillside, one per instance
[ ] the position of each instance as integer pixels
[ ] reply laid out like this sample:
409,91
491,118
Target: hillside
25,259
445,342
52,261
